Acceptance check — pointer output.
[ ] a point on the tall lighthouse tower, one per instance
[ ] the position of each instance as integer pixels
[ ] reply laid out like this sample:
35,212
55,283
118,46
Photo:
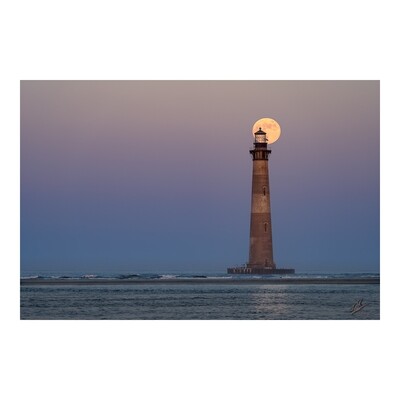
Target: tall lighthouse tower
261,259
261,254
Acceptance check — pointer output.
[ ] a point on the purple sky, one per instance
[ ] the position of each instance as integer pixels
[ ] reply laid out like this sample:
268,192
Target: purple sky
155,175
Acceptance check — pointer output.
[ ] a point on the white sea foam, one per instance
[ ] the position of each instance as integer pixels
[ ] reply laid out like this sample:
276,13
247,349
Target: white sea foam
168,276
219,277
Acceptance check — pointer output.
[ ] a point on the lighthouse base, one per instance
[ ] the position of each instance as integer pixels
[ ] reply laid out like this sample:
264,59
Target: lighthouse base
260,271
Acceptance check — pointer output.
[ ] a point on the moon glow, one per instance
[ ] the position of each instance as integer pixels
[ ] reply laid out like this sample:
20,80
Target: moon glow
270,127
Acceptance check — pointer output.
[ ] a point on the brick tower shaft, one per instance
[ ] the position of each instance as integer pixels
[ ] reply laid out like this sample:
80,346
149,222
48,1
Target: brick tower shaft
261,253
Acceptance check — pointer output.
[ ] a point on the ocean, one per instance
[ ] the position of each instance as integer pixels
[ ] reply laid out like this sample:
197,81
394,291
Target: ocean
199,297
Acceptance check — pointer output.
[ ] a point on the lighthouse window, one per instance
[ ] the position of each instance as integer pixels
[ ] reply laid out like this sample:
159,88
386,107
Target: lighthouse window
265,227
264,190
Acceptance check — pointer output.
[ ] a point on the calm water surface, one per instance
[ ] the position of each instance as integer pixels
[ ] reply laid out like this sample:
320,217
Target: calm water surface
199,301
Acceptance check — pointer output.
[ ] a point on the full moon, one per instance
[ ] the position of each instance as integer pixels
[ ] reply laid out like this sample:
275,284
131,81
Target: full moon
270,127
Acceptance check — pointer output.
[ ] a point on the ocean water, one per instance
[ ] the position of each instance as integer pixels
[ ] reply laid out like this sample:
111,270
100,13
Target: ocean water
198,301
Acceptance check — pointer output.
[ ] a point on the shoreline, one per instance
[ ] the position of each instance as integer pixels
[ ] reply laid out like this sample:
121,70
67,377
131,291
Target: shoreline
201,281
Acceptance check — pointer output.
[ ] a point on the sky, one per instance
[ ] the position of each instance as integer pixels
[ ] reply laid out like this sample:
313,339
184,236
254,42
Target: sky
155,176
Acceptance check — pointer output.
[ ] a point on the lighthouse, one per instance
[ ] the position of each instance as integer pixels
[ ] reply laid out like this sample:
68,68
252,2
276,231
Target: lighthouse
261,259
261,253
